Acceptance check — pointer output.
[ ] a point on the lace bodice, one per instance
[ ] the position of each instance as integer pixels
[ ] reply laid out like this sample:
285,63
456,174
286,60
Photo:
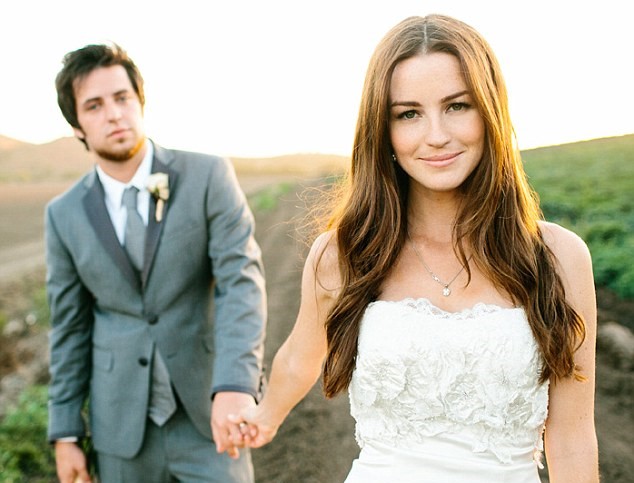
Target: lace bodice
422,372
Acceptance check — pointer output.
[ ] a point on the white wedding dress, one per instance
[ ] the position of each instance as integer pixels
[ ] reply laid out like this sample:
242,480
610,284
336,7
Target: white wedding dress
445,397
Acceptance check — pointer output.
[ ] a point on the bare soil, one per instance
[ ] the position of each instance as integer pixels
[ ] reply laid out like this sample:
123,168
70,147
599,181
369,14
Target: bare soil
316,443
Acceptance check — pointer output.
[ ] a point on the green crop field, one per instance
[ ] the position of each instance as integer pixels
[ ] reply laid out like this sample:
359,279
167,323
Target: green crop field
589,187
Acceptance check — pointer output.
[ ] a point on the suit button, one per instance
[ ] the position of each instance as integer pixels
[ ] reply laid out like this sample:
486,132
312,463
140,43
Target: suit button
152,320
143,361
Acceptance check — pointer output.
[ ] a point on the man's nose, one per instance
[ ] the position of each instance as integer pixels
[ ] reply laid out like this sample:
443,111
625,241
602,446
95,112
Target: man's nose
113,111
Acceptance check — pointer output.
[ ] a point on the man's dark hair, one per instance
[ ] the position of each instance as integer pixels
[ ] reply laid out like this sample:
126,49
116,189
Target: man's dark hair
79,63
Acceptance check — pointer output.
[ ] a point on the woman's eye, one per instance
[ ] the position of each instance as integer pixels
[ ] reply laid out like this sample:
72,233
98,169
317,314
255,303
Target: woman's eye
458,106
407,115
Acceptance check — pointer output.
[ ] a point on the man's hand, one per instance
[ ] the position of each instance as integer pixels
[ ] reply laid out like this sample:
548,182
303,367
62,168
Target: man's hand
71,463
256,425
228,435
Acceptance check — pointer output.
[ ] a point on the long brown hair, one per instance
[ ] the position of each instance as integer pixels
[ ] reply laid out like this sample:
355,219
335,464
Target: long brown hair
497,218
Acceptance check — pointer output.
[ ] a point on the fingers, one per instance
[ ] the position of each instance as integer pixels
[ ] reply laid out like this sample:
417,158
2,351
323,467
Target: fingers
224,443
254,434
233,452
228,434
233,440
248,431
231,436
83,477
71,463
245,433
236,437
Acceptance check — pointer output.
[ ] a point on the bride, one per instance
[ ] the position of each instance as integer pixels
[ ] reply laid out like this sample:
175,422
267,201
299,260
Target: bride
461,323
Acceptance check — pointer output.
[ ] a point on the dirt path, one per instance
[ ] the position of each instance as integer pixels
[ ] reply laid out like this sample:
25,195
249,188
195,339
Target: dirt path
316,442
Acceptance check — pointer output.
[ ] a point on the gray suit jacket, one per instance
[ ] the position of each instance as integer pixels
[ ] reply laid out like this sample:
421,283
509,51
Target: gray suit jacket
106,320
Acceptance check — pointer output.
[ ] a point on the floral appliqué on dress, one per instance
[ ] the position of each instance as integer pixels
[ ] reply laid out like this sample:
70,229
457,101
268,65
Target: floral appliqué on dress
421,371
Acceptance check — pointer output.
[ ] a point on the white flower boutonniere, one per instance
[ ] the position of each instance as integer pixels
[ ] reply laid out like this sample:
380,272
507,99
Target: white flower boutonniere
158,186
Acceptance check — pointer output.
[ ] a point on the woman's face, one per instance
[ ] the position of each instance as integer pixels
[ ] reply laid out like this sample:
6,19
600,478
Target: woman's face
436,131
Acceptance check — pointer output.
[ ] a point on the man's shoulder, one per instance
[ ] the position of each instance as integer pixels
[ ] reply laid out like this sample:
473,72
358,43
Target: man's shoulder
74,194
177,158
197,168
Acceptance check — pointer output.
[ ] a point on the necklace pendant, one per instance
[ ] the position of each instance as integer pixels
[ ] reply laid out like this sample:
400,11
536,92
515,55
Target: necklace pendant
446,291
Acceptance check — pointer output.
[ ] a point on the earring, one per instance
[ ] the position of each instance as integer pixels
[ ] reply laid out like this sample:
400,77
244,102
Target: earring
394,157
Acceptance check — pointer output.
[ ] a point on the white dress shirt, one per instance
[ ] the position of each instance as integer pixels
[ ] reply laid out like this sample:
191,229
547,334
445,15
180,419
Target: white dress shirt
114,193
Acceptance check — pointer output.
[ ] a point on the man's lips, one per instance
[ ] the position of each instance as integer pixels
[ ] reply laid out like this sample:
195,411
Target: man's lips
117,132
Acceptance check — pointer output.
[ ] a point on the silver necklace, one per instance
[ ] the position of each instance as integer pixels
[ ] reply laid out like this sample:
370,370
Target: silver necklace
446,291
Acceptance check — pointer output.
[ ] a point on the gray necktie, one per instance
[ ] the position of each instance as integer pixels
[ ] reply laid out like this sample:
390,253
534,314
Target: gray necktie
134,241
162,400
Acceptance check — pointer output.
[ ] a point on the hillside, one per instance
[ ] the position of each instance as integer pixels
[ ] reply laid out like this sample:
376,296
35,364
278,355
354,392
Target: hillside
66,159
310,165
59,160
7,143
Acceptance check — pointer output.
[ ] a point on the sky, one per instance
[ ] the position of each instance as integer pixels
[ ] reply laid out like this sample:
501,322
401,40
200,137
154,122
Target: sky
273,77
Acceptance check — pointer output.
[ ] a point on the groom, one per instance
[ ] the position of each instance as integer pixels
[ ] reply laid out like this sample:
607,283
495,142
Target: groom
134,251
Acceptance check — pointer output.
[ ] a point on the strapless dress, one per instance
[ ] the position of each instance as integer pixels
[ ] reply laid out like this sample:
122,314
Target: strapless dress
447,397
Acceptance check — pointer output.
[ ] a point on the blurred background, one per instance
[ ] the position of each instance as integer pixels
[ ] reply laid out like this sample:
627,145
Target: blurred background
275,86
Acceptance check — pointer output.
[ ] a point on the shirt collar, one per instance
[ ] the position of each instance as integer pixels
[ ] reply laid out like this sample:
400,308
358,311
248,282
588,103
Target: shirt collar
114,188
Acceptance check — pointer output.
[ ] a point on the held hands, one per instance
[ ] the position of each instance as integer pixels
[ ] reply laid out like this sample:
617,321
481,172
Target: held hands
238,423
256,428
229,436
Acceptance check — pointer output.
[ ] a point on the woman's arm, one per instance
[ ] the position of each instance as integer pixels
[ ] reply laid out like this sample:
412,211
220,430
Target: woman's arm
570,437
297,364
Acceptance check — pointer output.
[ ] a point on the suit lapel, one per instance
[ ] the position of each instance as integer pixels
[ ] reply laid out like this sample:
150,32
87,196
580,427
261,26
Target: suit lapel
95,206
154,228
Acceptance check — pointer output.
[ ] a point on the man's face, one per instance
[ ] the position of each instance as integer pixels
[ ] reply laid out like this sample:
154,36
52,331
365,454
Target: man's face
110,114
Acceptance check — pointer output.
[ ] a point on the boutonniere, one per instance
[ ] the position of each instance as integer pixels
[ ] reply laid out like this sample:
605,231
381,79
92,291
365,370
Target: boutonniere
158,186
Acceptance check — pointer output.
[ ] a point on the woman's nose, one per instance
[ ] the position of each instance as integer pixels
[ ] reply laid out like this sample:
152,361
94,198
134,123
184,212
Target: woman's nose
436,132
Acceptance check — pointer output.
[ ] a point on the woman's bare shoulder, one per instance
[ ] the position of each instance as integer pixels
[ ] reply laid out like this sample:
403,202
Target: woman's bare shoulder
574,265
323,260
566,245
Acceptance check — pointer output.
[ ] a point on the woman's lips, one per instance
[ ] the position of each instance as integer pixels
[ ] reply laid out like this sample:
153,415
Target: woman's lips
440,160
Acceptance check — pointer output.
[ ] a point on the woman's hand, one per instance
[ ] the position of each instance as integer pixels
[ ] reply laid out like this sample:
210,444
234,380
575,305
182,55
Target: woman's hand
298,362
255,426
